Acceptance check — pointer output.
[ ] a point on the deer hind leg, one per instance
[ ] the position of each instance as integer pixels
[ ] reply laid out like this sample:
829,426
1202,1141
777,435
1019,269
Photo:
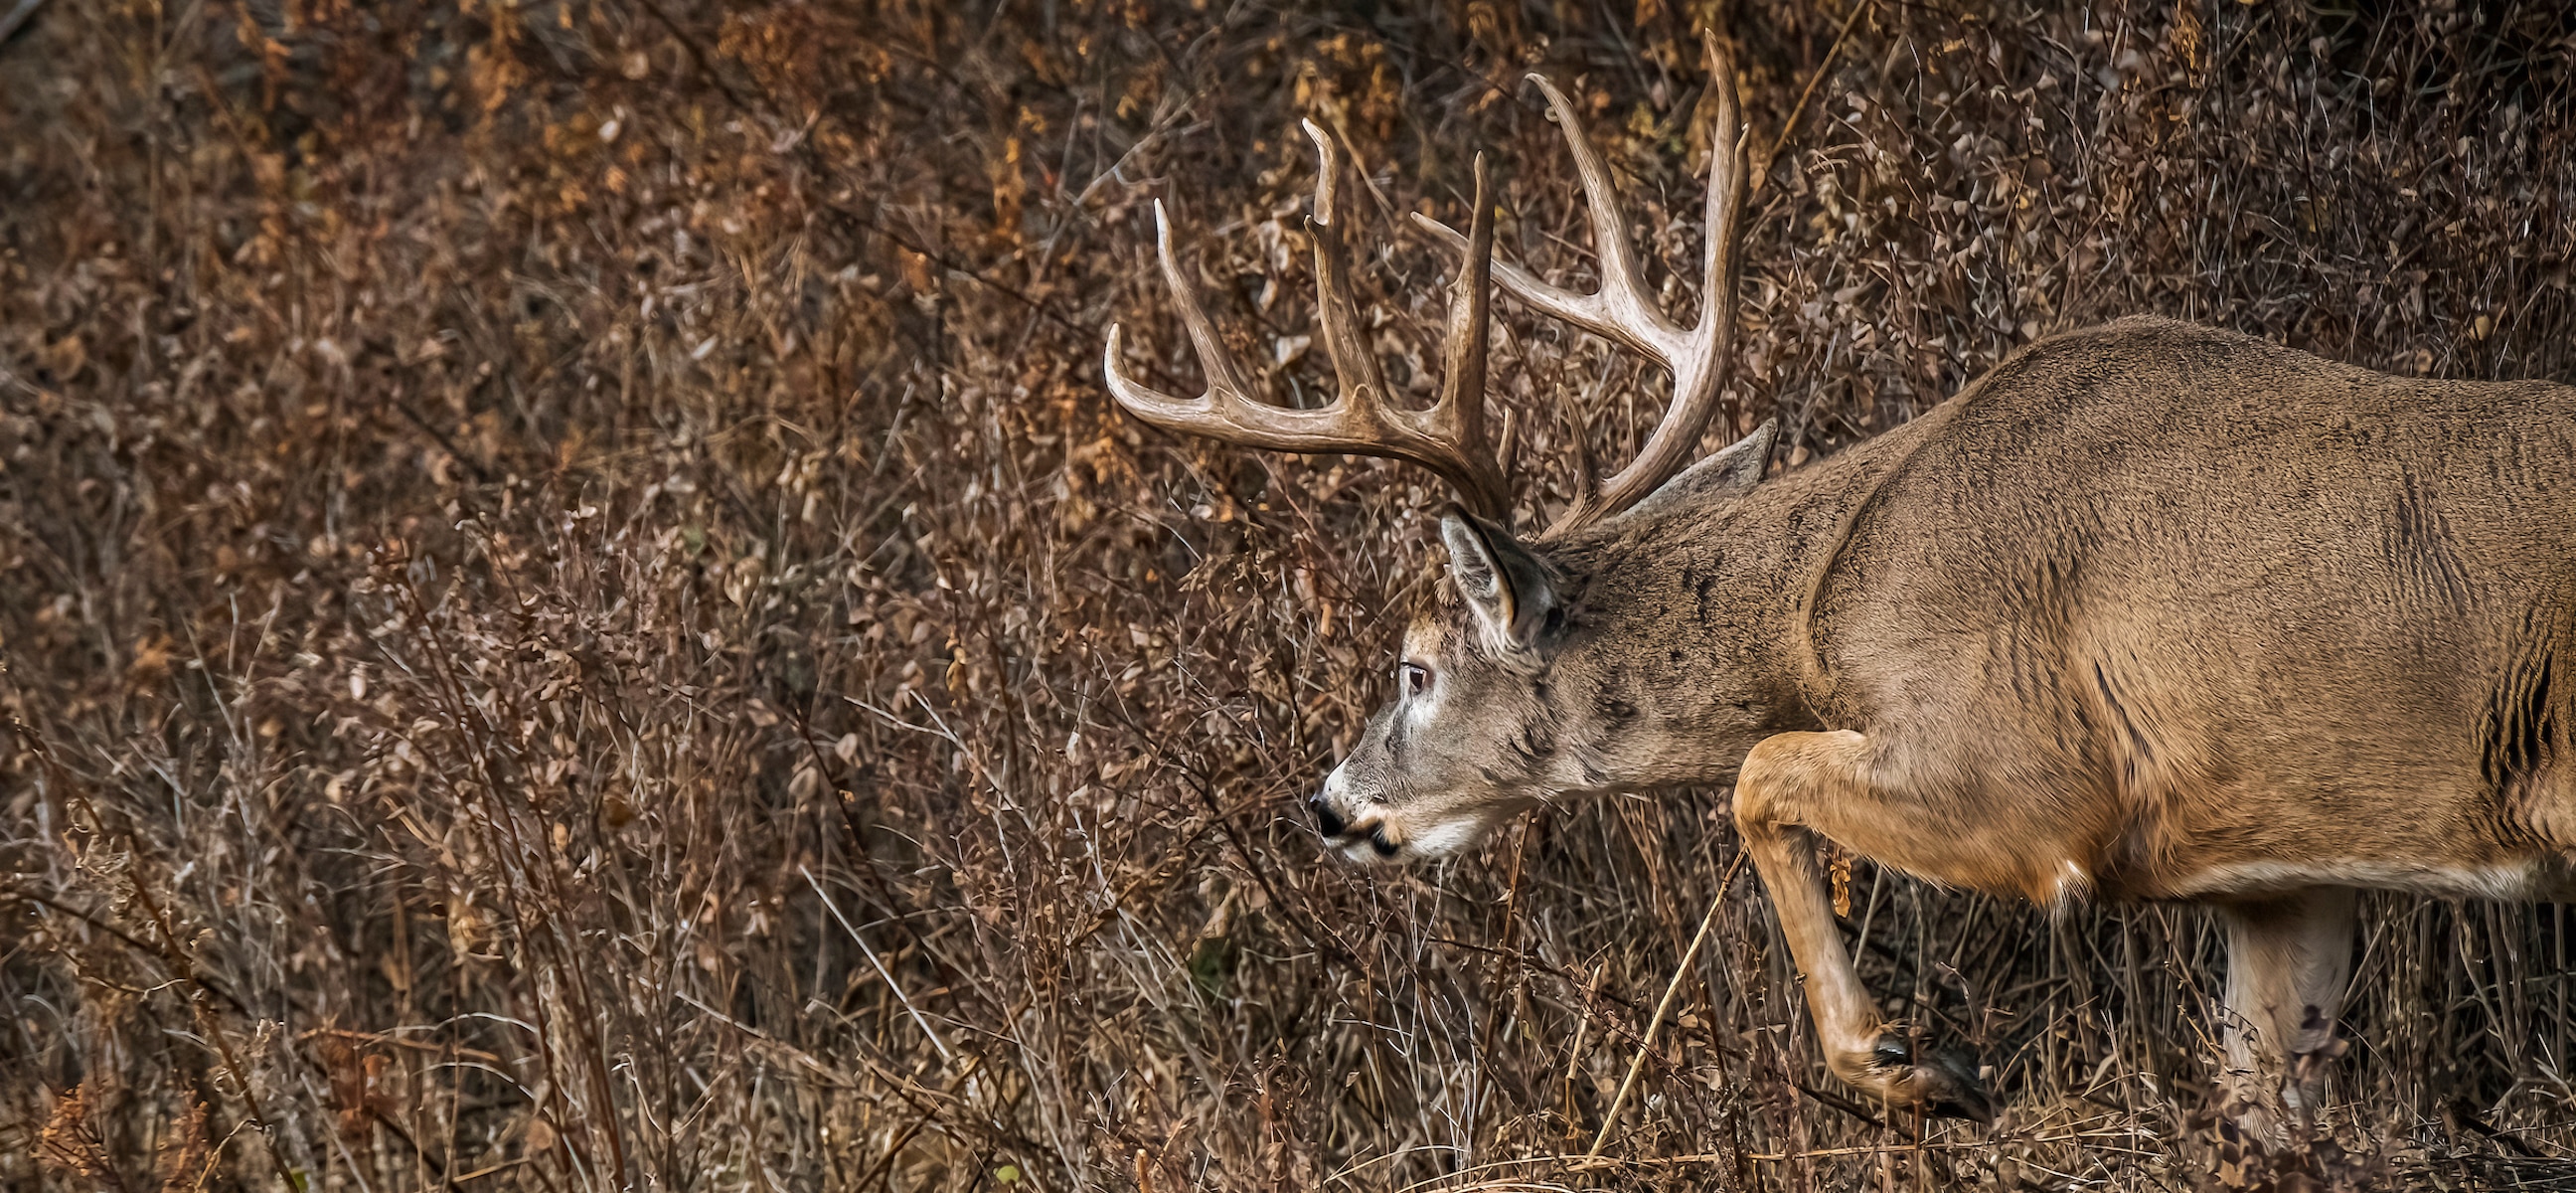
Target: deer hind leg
2288,960
1791,785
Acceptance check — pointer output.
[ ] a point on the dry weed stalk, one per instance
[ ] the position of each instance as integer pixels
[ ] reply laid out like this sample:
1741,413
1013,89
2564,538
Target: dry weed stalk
576,616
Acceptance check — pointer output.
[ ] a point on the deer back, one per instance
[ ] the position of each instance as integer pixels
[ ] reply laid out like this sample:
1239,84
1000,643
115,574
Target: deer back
2202,604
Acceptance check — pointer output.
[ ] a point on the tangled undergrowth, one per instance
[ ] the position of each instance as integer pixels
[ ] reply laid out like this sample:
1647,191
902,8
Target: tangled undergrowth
576,614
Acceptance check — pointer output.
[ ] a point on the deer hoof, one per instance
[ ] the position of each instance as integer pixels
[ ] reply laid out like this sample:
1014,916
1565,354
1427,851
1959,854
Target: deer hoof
1942,1081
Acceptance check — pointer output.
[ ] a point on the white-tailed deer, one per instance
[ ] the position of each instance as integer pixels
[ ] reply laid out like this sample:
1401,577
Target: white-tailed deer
2150,611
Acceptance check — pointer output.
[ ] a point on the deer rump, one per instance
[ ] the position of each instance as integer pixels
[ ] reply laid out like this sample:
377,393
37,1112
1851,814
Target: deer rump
2159,611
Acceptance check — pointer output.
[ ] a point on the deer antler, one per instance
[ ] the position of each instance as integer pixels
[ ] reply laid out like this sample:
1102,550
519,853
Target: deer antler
1448,438
1622,309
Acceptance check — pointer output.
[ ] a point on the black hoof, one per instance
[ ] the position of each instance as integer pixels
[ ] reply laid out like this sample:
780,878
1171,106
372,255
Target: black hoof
1941,1080
1963,1094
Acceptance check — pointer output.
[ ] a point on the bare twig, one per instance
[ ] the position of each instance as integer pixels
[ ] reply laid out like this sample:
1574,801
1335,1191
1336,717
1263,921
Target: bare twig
18,17
1762,169
1672,989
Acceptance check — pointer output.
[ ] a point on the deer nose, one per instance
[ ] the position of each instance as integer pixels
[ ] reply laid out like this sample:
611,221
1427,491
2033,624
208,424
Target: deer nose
1329,822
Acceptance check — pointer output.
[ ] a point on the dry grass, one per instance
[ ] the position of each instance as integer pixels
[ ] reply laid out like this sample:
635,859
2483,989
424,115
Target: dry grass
576,614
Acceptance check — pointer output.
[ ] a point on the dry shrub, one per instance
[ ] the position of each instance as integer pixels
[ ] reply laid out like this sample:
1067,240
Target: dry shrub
576,614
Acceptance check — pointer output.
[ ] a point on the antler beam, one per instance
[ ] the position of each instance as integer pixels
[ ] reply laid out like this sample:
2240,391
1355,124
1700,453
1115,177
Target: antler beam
1699,357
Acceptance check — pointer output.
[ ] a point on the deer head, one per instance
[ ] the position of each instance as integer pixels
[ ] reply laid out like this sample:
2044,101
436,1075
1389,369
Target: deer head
1470,735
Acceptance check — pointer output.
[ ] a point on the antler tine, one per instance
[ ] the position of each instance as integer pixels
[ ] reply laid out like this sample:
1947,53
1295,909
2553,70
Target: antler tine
1355,365
1228,382
1448,439
1228,395
1623,310
1700,372
1460,413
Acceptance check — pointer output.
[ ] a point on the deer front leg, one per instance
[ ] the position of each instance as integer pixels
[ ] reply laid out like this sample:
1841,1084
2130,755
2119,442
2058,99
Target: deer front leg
1785,782
2288,959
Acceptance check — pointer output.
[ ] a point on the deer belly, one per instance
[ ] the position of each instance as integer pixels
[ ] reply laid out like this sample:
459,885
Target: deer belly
2502,879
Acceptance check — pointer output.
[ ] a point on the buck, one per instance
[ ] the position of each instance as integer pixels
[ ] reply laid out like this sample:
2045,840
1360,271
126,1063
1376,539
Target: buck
2148,612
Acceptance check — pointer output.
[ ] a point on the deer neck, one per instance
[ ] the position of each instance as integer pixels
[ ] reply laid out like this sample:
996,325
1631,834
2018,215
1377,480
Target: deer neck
1691,637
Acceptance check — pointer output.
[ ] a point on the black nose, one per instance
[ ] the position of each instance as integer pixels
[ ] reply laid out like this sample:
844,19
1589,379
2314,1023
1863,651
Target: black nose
1325,818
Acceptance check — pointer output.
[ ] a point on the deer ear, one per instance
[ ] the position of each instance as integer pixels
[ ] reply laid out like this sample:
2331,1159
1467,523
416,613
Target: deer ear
1510,589
1733,470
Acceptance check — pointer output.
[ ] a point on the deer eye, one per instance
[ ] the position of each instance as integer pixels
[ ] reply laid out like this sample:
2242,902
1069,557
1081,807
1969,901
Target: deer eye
1417,678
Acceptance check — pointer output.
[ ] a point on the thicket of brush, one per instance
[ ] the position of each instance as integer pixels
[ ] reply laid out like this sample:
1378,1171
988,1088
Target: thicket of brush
576,614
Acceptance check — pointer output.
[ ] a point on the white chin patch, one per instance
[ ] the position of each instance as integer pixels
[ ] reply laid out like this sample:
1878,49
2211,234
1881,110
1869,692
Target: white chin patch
1361,853
1441,840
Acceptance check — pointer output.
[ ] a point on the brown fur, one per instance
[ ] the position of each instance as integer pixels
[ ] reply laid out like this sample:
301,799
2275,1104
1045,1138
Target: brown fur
2150,611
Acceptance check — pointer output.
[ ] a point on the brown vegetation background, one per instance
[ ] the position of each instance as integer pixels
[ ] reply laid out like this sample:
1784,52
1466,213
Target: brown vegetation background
576,614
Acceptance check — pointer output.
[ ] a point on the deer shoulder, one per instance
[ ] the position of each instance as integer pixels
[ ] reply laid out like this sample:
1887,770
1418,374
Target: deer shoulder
2148,611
